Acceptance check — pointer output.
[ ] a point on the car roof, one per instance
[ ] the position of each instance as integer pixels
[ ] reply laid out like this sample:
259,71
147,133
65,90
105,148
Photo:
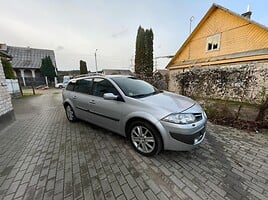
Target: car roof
98,76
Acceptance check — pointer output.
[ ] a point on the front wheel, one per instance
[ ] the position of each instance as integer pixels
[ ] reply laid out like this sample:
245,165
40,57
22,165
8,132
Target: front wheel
145,138
70,113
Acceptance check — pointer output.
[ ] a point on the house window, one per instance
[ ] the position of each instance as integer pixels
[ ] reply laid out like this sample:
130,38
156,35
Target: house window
213,42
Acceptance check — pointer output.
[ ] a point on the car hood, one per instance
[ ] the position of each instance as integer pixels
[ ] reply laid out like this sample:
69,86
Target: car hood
170,102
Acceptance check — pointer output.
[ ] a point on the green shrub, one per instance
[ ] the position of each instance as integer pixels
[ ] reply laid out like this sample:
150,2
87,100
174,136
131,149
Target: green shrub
7,67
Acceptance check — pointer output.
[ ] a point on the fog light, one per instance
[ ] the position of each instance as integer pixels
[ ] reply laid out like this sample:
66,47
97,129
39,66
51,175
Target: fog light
196,140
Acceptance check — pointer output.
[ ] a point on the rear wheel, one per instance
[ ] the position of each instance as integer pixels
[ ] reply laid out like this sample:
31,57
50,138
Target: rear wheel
70,113
145,139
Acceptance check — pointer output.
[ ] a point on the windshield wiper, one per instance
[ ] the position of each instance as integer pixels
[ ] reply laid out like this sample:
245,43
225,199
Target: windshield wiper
146,95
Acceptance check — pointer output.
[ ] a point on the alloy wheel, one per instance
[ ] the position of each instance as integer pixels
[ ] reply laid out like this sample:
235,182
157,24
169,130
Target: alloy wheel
143,139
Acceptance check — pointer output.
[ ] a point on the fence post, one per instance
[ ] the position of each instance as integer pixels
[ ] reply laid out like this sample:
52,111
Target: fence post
46,80
32,87
20,87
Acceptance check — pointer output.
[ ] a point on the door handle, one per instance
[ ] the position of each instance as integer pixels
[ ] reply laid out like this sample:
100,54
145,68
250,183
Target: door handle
74,97
91,102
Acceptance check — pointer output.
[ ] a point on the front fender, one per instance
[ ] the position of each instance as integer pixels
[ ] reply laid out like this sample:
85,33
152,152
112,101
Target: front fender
142,115
67,101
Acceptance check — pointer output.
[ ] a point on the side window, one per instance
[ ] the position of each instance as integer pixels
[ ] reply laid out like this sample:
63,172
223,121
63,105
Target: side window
83,86
102,86
70,86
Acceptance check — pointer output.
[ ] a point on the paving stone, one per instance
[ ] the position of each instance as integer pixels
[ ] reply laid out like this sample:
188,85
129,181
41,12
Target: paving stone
13,187
105,186
150,195
127,191
116,188
21,190
162,196
43,156
153,186
130,180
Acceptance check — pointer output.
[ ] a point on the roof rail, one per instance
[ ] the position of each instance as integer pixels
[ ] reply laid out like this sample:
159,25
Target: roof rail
88,74
96,73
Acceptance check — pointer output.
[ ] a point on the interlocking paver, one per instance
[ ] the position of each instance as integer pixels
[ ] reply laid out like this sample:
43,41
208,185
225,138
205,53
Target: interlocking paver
43,156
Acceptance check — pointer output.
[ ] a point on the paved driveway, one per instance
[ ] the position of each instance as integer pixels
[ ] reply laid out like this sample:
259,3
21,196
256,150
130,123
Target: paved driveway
43,156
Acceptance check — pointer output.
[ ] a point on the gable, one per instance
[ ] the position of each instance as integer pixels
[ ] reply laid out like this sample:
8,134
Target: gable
237,34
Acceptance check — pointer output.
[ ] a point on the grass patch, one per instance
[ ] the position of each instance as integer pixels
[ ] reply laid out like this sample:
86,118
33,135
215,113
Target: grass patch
228,102
237,114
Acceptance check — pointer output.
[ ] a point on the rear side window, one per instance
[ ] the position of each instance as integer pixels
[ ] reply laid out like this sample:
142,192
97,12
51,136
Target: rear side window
83,86
70,86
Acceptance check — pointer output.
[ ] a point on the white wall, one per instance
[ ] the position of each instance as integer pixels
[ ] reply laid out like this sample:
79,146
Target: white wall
5,98
13,86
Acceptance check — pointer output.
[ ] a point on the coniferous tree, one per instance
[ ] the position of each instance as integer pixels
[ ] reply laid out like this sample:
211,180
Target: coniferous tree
140,51
47,68
149,65
83,67
144,52
7,67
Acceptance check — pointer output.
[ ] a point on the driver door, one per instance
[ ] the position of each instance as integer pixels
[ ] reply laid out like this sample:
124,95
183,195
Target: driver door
106,113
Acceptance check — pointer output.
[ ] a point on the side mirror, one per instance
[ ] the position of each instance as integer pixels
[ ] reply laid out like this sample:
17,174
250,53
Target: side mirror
110,96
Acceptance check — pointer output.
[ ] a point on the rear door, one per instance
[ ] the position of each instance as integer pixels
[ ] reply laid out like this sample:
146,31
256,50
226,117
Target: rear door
81,98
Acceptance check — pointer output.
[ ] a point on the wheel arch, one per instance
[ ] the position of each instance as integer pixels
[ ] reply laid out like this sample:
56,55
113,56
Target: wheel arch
133,119
67,103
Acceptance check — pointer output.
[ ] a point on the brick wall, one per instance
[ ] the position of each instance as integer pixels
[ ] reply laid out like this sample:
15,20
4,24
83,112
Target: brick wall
247,82
5,99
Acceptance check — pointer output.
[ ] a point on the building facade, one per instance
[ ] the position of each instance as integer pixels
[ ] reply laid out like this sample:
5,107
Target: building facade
26,63
225,48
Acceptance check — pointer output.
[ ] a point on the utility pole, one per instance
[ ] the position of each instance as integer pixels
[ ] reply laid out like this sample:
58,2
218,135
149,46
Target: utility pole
96,61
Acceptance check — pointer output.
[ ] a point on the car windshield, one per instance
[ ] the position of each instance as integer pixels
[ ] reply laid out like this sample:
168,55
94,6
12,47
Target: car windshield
134,87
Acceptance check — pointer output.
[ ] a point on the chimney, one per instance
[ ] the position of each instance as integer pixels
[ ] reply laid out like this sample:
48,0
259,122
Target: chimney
3,47
247,14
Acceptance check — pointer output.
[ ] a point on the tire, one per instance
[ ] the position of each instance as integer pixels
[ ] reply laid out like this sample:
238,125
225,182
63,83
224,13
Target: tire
70,113
60,86
145,138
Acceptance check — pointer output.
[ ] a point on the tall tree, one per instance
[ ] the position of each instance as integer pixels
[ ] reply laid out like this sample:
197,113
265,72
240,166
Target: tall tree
8,71
83,67
144,52
47,68
149,63
140,51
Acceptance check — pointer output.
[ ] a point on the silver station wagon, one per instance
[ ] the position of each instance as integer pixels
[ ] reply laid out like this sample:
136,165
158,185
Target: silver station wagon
152,119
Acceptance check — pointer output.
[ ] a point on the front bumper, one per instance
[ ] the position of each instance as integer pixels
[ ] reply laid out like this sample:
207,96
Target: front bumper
192,139
183,137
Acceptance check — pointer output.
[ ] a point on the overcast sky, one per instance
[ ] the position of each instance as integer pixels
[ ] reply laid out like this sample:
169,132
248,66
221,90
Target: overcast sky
74,29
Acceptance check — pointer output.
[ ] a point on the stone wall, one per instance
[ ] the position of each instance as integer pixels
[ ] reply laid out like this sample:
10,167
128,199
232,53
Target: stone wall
6,108
239,82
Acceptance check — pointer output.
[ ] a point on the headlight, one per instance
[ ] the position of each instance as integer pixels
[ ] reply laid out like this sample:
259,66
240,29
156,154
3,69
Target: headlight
183,118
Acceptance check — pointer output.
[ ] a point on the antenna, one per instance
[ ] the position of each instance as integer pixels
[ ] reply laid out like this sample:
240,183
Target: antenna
248,8
191,20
